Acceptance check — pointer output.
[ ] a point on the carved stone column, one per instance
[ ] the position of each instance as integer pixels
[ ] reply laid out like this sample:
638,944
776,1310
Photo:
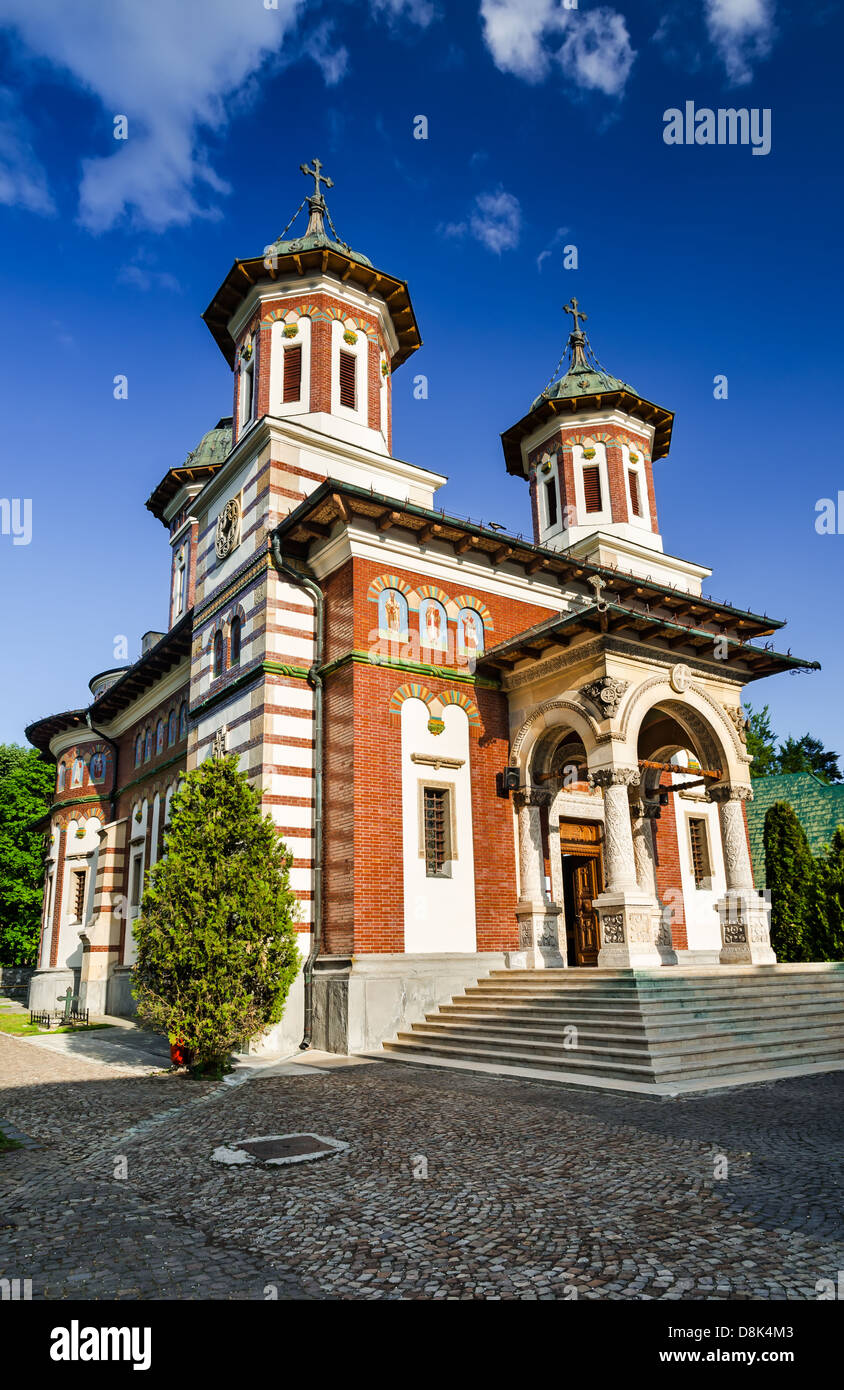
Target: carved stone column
537,915
745,916
629,914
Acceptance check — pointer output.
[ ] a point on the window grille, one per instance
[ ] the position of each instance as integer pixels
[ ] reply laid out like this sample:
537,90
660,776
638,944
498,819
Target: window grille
79,876
551,501
701,867
437,818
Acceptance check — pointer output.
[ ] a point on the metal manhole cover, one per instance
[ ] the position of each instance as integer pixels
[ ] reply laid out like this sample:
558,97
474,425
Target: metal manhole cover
278,1149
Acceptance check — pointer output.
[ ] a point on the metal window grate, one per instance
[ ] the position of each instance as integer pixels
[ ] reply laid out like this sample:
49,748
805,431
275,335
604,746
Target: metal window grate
592,489
348,393
700,852
292,373
436,814
79,893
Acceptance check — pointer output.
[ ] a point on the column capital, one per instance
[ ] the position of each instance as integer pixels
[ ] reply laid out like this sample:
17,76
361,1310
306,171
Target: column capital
533,796
728,791
614,777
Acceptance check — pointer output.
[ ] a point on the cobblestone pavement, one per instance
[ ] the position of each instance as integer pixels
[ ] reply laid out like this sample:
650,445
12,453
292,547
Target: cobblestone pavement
532,1191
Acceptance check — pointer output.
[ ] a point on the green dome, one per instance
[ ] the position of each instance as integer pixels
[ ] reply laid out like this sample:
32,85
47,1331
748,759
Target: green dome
317,241
582,380
213,447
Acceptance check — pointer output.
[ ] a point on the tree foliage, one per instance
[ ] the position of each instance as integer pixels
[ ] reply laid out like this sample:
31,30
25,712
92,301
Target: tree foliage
216,938
26,789
827,932
804,754
791,878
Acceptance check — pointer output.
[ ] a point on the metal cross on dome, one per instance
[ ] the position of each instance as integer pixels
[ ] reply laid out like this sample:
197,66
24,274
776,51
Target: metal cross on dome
317,176
575,312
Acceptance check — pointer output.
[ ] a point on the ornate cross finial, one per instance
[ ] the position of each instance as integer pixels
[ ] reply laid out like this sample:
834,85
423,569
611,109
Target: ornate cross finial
317,176
575,312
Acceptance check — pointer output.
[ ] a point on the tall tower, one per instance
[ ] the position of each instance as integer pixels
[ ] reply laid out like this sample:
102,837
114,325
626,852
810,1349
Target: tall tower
313,332
587,447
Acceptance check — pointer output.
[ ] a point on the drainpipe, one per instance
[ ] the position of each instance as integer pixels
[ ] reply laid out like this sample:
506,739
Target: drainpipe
113,746
307,582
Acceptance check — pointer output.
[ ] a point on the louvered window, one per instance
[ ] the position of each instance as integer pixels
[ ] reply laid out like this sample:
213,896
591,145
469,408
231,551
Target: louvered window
437,817
348,392
292,373
699,844
592,489
551,501
635,494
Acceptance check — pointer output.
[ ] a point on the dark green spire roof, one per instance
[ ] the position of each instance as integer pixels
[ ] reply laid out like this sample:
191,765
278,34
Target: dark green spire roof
584,375
316,238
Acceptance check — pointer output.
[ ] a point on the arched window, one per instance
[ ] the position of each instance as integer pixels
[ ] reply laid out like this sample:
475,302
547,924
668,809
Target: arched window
392,615
139,750
96,767
234,643
77,772
62,776
183,720
147,744
159,736
172,728
470,633
218,654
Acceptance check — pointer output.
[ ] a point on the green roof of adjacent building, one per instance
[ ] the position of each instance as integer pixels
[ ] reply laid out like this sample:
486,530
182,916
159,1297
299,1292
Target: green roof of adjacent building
819,807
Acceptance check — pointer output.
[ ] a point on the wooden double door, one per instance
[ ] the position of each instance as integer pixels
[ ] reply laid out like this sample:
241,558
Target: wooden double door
581,849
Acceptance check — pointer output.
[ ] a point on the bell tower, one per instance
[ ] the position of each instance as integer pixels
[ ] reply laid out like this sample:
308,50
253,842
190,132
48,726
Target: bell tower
587,448
313,332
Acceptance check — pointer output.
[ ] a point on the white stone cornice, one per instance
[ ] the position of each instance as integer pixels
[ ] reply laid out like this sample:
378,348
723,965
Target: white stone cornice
454,572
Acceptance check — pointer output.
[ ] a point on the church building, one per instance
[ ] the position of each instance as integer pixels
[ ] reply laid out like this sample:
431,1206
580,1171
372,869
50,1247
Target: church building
484,753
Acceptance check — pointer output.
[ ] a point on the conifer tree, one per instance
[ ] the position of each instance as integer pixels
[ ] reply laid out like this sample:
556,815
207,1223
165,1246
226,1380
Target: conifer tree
790,875
828,916
216,938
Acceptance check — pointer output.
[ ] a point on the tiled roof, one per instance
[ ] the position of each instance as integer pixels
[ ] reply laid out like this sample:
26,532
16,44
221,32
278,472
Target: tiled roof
818,807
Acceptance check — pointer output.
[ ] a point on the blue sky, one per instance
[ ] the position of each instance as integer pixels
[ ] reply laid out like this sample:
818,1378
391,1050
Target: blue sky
545,129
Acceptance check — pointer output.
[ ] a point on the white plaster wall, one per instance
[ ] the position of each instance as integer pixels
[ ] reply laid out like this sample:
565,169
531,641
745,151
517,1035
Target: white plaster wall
702,926
439,913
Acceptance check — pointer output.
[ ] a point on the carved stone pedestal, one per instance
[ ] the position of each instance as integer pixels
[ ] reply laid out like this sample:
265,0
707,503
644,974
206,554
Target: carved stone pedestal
745,929
539,935
629,926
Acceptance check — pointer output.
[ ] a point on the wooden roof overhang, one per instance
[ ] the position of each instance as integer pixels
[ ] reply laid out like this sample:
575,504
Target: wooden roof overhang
43,730
174,646
322,260
564,407
174,479
334,502
684,639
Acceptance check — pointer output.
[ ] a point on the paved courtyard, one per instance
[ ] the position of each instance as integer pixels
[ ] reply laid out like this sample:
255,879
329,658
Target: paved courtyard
454,1185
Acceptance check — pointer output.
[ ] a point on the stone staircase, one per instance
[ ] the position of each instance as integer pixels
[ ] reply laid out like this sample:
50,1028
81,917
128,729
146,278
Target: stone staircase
643,1029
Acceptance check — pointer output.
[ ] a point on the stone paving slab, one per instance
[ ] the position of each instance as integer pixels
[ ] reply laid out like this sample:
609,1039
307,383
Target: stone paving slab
127,1052
454,1186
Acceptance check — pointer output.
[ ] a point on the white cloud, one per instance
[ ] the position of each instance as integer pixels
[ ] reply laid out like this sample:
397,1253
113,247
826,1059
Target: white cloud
742,32
23,182
529,37
176,69
556,240
495,221
420,12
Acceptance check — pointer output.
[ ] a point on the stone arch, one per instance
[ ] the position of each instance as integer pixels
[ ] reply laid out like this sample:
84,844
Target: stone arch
387,581
568,714
411,690
706,722
460,601
415,597
459,697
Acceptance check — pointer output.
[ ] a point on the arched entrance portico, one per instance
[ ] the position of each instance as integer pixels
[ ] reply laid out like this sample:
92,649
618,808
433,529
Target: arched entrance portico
658,743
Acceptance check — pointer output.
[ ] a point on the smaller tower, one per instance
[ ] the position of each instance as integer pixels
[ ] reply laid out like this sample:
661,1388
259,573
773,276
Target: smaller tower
587,447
